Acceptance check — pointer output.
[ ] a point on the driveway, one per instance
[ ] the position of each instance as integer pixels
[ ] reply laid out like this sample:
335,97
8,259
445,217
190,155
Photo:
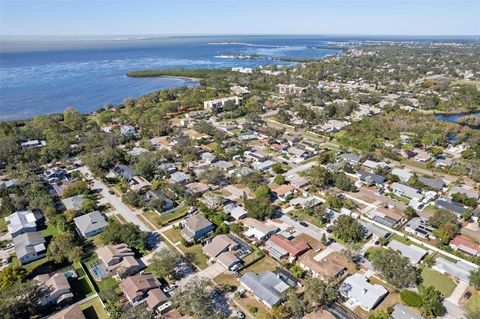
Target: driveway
453,312
457,293
311,230
209,273
122,209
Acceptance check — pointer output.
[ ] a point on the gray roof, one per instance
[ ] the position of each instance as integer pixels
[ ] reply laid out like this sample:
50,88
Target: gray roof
74,202
222,165
358,288
412,252
403,174
28,243
377,179
179,177
466,192
459,269
266,286
126,171
432,182
407,191
450,205
403,312
22,220
351,157
90,222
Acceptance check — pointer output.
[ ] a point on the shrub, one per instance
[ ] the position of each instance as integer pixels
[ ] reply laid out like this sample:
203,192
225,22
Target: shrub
411,298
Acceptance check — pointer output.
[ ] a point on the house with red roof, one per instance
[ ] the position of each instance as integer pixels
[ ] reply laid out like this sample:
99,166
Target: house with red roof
279,246
466,245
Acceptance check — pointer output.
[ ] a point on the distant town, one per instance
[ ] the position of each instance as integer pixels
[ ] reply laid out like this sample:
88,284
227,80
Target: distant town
345,187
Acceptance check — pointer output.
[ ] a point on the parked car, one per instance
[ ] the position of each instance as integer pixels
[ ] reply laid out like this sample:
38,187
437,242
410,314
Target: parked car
304,224
240,315
111,192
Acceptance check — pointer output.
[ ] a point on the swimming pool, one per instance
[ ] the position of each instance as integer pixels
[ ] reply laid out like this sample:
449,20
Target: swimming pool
98,270
70,274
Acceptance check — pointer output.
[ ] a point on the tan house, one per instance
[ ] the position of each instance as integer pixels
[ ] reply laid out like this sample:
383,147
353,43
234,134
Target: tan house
119,259
58,290
157,301
319,314
219,244
137,287
325,268
138,183
71,312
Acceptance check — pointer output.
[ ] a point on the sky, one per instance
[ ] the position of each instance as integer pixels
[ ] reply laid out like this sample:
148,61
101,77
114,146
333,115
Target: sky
199,17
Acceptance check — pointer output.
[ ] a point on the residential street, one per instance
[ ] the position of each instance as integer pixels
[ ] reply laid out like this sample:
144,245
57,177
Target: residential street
116,202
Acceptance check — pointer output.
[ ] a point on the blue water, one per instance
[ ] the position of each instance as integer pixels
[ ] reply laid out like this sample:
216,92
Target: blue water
43,77
453,118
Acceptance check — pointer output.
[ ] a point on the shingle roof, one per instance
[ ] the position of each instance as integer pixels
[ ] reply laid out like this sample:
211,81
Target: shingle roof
412,252
366,294
90,222
197,222
266,286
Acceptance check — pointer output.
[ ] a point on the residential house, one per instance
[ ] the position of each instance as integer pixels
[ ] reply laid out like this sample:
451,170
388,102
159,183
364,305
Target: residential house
434,183
467,192
237,212
450,205
407,154
218,245
217,105
406,191
119,259
55,174
213,200
443,162
414,253
305,201
222,165
362,293
371,179
419,227
90,224
279,247
466,245
239,90
351,158
403,312
263,166
196,227
127,130
57,289
59,187
136,287
124,171
257,229
229,260
73,202
373,165
33,144
284,191
267,287
254,156
137,183
179,178
157,301
289,89
23,222
29,246
324,268
386,215
197,188
71,312
423,157
298,181
167,168
208,157
153,198
458,269
403,174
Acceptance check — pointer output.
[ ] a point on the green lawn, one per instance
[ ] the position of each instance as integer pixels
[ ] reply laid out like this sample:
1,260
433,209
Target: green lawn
179,213
442,283
473,304
175,235
34,264
96,241
93,309
3,226
51,230
263,264
196,250
301,215
81,287
101,284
